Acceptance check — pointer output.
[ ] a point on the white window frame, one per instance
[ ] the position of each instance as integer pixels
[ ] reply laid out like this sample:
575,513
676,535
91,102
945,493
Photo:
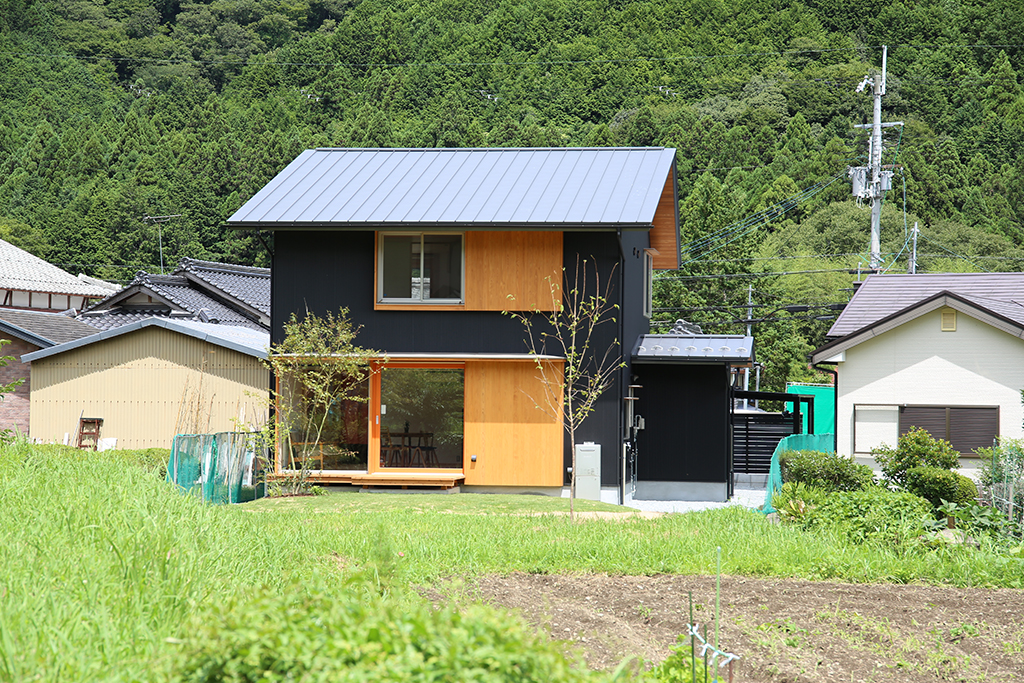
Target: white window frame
420,301
648,283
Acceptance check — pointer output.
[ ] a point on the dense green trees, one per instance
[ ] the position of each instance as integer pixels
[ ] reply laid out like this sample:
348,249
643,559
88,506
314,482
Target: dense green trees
113,110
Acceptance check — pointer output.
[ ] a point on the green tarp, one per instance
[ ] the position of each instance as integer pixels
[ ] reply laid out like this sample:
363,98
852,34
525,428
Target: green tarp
824,406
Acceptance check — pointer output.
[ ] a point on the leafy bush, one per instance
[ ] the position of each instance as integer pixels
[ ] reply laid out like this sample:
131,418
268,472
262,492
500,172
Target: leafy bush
796,499
827,471
937,485
914,449
304,633
873,514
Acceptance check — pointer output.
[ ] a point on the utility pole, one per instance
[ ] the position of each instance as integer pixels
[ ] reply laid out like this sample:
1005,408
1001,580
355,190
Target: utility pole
913,253
871,181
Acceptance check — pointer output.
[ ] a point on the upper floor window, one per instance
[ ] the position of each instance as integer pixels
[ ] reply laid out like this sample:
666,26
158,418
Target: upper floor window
421,268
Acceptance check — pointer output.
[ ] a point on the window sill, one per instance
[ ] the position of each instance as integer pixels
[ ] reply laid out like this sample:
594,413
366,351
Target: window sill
384,306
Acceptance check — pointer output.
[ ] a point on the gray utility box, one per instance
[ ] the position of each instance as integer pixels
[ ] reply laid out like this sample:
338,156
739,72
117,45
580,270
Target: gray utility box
588,470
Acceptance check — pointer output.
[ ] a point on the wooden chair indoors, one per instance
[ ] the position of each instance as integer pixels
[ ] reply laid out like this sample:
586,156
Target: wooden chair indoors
391,454
425,452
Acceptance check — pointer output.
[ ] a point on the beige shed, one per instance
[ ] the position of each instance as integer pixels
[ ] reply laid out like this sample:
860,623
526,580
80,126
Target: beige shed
148,381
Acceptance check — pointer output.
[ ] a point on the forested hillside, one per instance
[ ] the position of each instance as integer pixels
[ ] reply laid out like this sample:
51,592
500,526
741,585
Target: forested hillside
111,111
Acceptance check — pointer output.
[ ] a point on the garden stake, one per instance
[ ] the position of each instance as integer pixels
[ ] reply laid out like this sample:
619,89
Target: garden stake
718,600
705,654
693,654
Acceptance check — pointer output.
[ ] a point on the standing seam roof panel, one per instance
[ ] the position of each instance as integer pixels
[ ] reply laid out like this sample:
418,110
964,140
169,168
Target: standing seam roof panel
573,186
604,190
502,164
545,186
577,186
433,212
298,198
554,188
350,167
304,195
521,190
460,180
646,191
341,196
471,196
377,189
407,207
624,190
255,206
509,181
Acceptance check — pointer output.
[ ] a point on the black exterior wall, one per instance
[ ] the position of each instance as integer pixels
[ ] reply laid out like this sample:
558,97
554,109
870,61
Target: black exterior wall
322,271
686,408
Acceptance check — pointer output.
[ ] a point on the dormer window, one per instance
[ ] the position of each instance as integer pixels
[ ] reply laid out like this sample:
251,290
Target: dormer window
420,268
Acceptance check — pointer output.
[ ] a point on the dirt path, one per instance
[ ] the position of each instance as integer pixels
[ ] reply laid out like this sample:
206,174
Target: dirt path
783,630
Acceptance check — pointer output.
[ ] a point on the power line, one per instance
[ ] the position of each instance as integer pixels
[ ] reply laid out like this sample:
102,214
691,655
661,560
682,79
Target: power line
729,276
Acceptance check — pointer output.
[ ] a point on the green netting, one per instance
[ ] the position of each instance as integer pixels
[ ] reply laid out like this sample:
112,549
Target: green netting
219,468
824,406
793,442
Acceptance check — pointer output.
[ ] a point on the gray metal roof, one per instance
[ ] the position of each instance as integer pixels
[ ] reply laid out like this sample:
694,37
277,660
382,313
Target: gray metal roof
42,329
880,296
241,339
557,188
23,271
693,348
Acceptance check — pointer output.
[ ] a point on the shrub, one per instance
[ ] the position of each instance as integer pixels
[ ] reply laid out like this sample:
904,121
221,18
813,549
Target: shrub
915,448
796,499
873,514
827,471
936,485
305,633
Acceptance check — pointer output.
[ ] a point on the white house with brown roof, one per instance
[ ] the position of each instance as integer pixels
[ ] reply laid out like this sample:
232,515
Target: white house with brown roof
940,351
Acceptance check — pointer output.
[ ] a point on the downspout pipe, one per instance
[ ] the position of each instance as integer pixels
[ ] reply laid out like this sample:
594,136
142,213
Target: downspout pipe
835,401
623,376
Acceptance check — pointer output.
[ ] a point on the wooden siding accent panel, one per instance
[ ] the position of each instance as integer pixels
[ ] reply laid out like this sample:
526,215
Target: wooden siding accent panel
518,263
145,385
665,229
515,443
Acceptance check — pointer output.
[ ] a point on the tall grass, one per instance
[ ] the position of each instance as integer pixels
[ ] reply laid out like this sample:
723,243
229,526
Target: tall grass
103,561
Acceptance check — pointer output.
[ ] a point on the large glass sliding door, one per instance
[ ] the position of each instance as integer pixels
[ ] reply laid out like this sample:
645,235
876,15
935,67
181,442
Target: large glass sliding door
421,417
323,437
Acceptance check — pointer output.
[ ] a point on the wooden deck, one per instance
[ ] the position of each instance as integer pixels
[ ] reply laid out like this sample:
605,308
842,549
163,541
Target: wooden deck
405,480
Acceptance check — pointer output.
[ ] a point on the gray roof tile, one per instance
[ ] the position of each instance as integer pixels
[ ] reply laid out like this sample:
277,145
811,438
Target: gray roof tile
555,187
54,328
247,284
882,295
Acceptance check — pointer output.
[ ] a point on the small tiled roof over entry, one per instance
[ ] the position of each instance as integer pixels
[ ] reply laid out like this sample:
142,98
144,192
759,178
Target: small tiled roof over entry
880,296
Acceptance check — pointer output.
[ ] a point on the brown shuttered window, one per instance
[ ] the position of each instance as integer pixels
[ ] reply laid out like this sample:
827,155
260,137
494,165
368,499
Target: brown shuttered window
965,427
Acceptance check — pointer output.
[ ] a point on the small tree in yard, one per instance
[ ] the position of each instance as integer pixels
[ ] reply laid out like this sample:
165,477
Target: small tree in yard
318,367
568,330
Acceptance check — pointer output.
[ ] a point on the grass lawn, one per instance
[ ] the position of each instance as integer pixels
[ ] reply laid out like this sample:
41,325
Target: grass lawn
103,561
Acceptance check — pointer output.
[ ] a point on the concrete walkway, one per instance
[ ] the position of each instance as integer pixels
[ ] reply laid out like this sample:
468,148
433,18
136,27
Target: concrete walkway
749,498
